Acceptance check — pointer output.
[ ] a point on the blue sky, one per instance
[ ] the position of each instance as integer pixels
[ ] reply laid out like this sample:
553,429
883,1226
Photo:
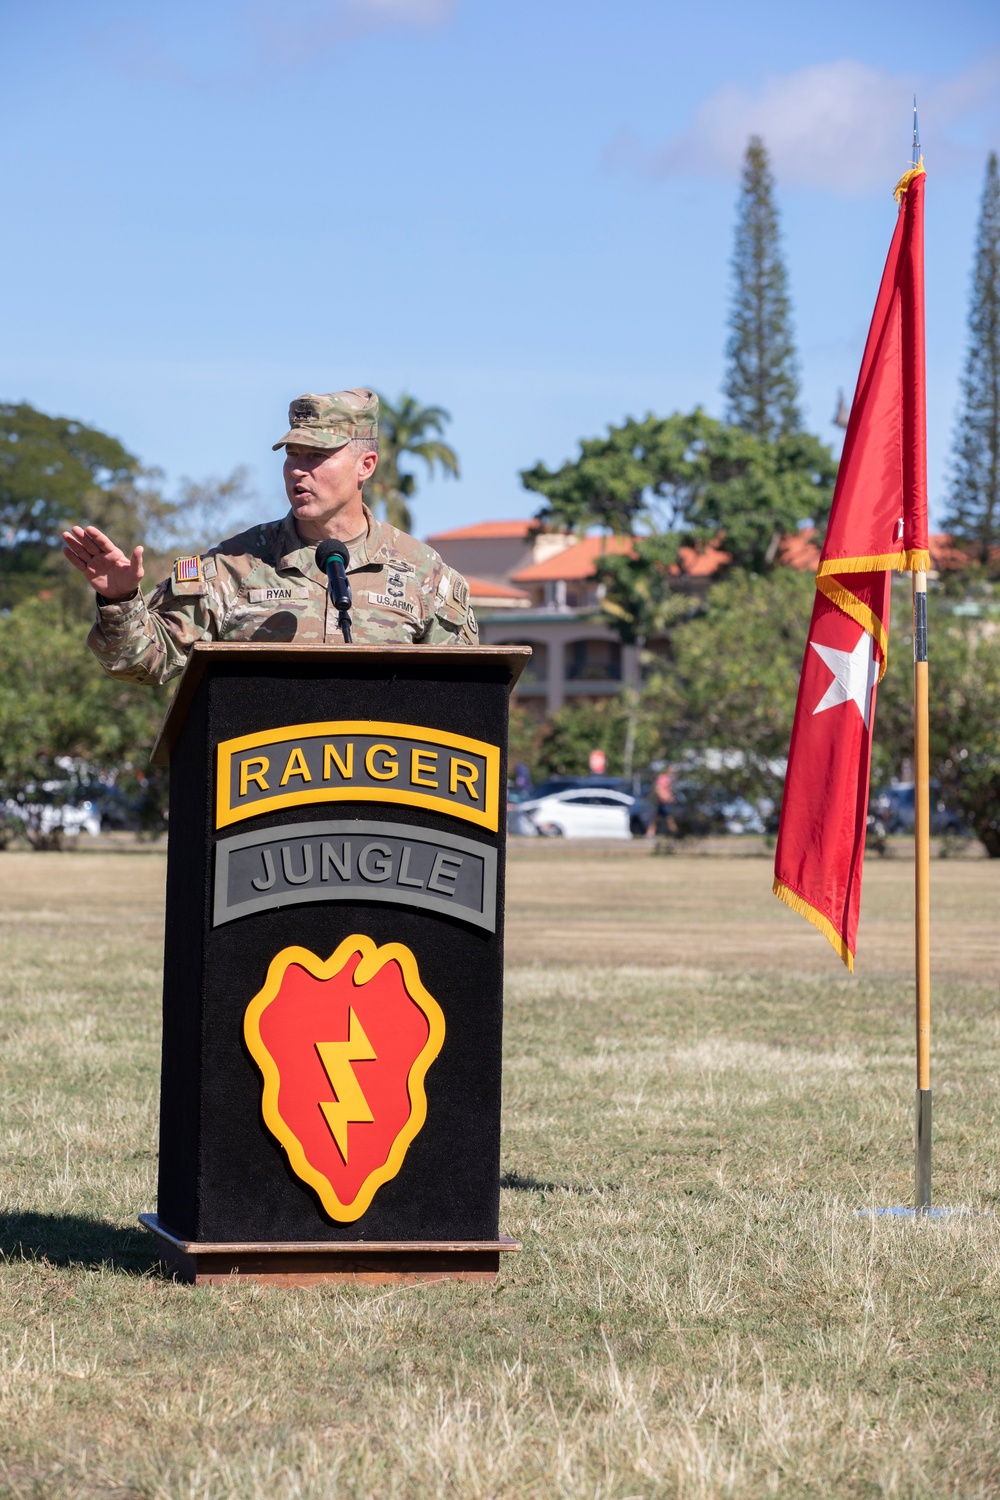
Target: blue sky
521,212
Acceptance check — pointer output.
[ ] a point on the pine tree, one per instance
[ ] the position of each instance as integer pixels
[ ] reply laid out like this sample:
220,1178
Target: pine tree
762,383
974,516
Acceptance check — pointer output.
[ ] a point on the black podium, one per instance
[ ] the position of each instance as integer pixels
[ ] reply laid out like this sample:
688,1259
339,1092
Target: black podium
333,965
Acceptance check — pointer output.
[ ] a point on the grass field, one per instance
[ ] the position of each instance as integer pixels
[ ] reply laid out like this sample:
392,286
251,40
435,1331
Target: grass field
697,1100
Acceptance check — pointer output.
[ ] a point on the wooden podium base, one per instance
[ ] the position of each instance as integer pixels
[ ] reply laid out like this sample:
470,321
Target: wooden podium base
313,1263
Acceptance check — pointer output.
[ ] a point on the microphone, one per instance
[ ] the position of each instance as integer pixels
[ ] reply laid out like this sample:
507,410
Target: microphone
332,556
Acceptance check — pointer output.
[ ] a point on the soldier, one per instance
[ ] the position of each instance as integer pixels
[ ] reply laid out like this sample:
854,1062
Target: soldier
264,585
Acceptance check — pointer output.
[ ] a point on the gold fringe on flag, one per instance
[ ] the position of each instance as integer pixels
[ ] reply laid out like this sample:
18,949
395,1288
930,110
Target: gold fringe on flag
859,611
801,905
913,560
907,177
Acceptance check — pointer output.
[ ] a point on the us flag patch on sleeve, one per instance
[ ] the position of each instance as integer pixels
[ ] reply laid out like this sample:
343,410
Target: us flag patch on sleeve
187,570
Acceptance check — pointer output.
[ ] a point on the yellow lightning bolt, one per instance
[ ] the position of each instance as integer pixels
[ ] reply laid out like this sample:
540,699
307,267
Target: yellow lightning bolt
350,1104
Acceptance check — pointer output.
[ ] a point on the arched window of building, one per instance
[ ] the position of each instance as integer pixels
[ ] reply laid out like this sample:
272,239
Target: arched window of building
537,667
656,656
593,661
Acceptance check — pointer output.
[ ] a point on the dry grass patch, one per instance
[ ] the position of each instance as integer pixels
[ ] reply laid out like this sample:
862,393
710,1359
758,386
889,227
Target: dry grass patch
703,908
698,1310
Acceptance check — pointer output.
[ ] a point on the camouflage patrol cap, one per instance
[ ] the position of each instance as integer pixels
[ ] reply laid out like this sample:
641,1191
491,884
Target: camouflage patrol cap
331,421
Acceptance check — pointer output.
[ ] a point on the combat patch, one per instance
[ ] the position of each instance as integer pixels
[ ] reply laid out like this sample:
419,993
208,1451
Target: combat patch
343,1047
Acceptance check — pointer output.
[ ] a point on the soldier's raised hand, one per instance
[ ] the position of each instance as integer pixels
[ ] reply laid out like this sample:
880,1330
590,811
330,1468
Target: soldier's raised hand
105,566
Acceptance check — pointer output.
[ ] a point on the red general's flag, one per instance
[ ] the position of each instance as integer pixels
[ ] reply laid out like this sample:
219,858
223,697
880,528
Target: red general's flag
878,522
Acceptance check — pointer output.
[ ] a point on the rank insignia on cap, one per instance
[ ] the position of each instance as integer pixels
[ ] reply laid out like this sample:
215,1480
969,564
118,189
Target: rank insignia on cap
187,570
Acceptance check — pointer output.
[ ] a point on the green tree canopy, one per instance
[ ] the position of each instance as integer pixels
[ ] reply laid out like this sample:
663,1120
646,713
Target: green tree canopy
63,723
403,430
562,745
724,701
762,383
56,472
640,602
974,502
731,681
53,472
618,481
702,480
964,714
637,590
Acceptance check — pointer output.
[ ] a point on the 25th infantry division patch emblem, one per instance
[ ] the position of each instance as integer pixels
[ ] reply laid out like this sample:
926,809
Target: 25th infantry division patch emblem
343,1046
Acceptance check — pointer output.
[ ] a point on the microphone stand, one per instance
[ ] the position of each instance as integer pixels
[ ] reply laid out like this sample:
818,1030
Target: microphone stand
332,556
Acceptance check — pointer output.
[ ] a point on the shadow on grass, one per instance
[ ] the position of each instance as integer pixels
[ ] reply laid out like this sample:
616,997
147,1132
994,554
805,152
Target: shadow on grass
518,1182
71,1240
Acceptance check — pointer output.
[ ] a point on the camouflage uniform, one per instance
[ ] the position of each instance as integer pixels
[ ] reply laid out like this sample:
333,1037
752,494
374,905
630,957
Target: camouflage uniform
264,585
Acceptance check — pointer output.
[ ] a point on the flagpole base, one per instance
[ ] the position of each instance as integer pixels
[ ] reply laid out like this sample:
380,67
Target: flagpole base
922,1184
924,1214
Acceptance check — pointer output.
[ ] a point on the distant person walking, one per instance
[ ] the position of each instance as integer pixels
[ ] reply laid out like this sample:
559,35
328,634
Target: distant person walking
663,792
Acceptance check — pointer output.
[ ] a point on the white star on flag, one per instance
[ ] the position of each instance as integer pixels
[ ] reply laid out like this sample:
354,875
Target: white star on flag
854,675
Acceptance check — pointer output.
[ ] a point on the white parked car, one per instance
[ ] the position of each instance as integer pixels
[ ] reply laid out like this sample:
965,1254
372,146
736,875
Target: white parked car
579,813
46,817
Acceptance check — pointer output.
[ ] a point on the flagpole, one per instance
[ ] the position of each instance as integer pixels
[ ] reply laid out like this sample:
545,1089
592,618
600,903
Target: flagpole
922,856
922,863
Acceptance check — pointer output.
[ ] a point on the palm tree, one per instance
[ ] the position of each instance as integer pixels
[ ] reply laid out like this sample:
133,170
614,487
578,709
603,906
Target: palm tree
403,426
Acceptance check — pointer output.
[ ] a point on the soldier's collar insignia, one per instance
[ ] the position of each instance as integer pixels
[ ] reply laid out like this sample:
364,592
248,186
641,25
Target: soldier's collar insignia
188,570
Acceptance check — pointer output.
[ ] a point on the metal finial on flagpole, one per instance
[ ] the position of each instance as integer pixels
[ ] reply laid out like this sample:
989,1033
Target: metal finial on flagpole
916,134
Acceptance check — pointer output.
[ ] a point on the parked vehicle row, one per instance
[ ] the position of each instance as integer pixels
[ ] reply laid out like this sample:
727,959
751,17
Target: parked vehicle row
69,807
46,817
589,812
608,807
894,807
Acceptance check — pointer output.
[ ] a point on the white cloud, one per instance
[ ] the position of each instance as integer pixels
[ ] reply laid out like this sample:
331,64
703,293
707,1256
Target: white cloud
843,125
251,43
415,12
307,30
324,21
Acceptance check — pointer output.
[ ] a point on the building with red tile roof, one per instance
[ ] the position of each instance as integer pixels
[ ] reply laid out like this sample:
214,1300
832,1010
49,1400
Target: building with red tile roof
489,595
531,586
488,530
568,578
494,551
575,561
